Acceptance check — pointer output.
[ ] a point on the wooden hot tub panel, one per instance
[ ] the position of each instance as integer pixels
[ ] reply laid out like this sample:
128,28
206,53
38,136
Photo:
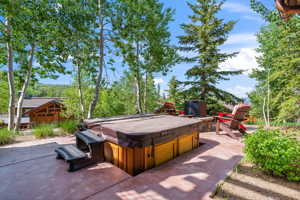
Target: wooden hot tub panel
136,160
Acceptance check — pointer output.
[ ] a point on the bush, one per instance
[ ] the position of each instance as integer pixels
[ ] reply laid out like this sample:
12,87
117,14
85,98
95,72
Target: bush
69,126
44,130
274,152
6,136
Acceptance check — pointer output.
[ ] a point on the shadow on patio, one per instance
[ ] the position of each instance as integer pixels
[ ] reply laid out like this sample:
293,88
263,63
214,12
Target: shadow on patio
193,175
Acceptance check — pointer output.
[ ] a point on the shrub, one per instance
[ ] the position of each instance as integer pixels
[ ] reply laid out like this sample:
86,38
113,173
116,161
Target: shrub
69,126
6,136
44,130
274,152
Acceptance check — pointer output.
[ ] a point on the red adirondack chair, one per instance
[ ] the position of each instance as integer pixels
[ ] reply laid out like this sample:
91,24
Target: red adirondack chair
229,122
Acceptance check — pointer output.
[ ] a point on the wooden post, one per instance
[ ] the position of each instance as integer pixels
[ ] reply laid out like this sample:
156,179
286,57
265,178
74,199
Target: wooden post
218,127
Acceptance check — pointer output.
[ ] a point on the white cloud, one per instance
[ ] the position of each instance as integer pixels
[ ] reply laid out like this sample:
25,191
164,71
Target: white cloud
241,38
244,60
239,91
253,18
158,81
245,11
236,8
36,64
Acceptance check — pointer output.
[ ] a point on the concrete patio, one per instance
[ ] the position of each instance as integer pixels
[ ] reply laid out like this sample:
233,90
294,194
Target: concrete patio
30,171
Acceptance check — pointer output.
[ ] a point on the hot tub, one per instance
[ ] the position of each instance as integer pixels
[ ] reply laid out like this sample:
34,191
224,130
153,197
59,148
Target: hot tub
139,142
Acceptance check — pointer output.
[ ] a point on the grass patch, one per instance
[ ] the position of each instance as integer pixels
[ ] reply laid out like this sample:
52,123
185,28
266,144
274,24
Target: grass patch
6,136
44,130
69,126
47,130
274,123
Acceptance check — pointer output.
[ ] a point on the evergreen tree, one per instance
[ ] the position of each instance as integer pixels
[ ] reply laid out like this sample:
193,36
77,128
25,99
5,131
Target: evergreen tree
153,97
174,91
202,39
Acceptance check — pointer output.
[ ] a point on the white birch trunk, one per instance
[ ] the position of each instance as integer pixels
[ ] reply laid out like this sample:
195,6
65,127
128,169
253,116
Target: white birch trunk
137,81
23,91
138,93
146,92
96,97
264,112
10,77
80,93
268,100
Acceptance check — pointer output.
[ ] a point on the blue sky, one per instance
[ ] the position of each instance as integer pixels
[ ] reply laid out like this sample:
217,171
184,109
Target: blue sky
242,39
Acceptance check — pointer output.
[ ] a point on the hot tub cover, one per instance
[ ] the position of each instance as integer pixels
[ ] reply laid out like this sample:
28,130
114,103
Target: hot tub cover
143,130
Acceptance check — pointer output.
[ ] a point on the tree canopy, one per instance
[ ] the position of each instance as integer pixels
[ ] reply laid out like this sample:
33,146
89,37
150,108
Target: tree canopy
278,67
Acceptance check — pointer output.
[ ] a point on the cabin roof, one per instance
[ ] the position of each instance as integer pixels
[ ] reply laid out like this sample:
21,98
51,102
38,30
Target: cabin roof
34,102
36,109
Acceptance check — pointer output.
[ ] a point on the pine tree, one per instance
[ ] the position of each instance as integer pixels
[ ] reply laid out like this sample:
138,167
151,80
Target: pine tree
202,39
174,91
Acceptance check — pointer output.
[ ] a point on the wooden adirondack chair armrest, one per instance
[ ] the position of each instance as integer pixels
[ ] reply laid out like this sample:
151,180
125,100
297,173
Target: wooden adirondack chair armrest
225,118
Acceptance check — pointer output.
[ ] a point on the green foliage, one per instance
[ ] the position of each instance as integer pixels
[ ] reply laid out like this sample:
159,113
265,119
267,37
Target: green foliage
266,14
72,103
86,33
116,99
142,38
277,124
6,137
3,93
47,90
135,36
279,52
68,126
174,92
202,39
153,95
274,152
35,25
44,130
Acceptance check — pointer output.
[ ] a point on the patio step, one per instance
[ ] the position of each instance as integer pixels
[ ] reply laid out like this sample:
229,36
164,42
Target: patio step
88,137
88,141
73,156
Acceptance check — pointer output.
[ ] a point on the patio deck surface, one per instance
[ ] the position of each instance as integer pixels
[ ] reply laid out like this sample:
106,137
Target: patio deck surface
30,171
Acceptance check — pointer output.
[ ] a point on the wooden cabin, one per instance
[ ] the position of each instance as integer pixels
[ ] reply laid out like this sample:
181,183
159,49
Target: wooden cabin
37,110
49,111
